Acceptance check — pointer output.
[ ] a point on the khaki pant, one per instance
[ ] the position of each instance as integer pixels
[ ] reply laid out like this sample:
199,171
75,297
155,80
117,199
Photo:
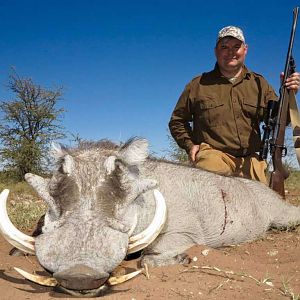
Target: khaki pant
225,164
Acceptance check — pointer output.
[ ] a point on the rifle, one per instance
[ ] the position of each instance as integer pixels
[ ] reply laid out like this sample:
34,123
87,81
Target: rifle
276,120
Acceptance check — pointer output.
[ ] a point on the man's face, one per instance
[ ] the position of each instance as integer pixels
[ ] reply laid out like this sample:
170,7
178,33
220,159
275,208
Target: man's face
230,53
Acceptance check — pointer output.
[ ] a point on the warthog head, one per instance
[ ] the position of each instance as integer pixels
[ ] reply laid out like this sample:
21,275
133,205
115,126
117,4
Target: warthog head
91,215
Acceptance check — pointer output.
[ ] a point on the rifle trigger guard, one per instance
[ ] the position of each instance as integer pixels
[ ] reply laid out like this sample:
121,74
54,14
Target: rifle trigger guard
284,151
282,147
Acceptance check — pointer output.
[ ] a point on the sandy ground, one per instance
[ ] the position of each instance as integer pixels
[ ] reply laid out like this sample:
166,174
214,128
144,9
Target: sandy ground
265,269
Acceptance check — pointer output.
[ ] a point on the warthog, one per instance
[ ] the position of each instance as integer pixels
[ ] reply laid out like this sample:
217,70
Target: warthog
103,197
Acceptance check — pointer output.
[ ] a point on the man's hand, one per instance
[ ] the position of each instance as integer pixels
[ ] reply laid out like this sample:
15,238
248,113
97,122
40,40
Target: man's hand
292,82
194,150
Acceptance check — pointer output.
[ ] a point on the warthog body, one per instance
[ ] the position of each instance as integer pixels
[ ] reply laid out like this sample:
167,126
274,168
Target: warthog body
100,193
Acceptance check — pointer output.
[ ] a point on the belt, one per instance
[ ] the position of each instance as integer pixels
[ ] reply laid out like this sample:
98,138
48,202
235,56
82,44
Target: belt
241,153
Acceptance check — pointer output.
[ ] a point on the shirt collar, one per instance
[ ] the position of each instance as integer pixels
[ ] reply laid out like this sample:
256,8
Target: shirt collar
246,74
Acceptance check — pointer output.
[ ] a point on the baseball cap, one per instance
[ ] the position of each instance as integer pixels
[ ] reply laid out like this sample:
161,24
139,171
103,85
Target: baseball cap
233,31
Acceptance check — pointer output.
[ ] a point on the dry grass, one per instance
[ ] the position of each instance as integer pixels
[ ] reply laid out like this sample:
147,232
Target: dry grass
292,186
231,276
287,291
24,206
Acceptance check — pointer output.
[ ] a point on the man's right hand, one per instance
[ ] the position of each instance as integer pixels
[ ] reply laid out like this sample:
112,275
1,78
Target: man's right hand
194,150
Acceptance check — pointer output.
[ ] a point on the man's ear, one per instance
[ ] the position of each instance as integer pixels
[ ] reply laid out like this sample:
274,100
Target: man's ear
246,48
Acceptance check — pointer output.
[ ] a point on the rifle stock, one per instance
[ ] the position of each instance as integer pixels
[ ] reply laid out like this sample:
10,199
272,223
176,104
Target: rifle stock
277,183
279,174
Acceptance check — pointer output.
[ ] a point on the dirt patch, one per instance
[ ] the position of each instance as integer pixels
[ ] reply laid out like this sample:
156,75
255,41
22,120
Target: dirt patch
265,269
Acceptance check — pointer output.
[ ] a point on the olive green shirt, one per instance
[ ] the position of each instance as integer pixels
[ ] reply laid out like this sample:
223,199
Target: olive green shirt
223,114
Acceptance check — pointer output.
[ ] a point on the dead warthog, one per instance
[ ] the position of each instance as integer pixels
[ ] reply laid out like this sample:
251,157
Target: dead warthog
107,201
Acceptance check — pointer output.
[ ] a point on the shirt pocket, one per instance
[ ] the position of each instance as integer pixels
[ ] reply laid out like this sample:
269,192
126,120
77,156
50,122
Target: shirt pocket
253,108
209,111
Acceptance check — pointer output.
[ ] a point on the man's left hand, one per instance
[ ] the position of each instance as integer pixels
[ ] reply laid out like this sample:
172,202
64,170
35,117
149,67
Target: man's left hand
292,82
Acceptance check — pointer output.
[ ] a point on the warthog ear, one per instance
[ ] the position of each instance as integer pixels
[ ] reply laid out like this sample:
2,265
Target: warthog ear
134,152
61,156
109,164
123,171
67,164
57,150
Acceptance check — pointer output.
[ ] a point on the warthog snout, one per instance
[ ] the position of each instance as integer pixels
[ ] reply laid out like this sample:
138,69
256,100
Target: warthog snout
80,277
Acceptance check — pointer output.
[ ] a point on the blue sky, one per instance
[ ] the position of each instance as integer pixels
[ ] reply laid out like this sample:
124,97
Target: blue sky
123,64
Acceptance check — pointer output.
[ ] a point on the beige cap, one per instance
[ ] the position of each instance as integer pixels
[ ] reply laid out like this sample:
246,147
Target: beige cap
232,31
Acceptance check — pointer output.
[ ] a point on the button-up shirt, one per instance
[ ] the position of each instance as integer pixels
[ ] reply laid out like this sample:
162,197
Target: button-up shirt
222,113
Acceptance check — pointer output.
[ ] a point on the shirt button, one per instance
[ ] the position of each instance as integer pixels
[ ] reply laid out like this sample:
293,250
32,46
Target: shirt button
233,100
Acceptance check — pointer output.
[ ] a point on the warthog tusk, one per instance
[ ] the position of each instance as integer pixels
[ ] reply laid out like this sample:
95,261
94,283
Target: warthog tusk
120,279
135,221
146,237
13,235
51,281
41,280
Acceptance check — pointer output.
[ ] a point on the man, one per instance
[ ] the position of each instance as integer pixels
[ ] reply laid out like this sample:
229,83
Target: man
225,107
